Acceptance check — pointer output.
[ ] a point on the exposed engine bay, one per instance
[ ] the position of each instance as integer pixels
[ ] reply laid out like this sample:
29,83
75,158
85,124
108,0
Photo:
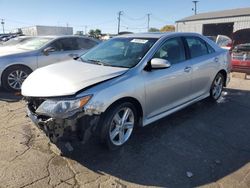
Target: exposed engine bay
79,126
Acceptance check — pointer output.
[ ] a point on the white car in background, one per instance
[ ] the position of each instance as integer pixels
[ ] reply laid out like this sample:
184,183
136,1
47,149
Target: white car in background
222,41
16,41
17,62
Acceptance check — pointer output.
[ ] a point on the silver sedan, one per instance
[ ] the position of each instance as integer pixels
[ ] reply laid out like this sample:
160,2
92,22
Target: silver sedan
128,81
17,62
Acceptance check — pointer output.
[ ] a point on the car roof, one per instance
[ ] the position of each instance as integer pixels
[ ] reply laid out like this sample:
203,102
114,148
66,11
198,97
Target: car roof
66,36
156,35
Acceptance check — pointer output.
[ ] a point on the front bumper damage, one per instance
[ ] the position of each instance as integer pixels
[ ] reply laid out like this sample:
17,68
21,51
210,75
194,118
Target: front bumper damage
78,127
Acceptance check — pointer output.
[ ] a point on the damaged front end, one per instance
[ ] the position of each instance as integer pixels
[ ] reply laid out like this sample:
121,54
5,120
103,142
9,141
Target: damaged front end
62,119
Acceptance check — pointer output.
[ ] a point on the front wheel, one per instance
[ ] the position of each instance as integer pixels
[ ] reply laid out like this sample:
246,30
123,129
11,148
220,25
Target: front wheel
217,87
119,122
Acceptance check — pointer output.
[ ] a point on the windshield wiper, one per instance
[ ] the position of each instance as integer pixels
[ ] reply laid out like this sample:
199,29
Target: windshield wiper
98,62
95,61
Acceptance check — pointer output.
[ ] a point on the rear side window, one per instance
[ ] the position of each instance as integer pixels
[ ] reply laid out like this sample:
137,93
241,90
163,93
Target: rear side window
172,50
198,47
85,43
210,49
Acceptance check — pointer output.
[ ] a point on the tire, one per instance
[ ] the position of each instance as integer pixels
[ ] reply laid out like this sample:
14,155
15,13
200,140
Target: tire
116,131
217,87
14,76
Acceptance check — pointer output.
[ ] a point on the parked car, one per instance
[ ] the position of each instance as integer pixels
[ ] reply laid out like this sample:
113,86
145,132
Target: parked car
16,40
16,63
241,58
3,37
241,51
128,81
222,41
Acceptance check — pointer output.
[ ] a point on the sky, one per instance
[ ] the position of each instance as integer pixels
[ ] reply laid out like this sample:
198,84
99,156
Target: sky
102,14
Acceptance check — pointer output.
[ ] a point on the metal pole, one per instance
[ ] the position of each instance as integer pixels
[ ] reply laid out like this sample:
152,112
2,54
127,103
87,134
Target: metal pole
2,22
195,6
119,21
148,20
86,30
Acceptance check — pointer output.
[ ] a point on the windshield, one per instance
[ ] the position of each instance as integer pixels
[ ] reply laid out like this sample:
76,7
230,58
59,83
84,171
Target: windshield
15,41
119,52
34,44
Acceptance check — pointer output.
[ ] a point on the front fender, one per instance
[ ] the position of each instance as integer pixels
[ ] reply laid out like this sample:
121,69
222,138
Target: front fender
107,93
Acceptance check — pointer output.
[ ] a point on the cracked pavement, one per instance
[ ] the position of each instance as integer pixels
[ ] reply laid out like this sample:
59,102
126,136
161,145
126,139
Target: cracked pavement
212,141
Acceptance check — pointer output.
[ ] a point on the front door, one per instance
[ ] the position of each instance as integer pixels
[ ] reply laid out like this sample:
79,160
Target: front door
170,87
62,49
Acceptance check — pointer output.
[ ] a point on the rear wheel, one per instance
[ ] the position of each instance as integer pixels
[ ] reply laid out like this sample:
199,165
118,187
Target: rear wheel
217,87
119,122
14,76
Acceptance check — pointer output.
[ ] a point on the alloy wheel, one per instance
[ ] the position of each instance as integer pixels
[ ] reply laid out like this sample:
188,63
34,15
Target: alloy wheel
122,126
217,87
16,78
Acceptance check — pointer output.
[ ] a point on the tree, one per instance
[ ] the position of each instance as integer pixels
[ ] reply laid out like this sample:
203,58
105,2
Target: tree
95,33
168,28
152,29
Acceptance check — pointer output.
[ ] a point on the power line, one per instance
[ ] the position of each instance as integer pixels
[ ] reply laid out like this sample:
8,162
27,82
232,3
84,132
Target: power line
130,18
20,22
129,24
128,27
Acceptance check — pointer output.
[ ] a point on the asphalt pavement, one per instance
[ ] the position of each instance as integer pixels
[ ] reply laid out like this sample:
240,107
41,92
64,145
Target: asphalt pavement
206,144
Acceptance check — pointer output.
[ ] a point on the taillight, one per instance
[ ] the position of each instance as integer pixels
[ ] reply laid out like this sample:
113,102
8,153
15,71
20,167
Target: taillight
230,45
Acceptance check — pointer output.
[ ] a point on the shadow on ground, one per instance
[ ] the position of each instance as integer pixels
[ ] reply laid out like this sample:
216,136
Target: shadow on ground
8,96
209,140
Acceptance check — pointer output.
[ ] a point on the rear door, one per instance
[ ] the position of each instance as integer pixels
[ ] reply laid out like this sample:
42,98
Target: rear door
170,87
204,62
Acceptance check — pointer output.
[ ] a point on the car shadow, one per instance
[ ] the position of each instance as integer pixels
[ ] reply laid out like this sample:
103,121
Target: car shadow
207,141
9,96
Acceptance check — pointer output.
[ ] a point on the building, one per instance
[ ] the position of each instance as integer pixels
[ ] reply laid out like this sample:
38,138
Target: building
39,30
214,23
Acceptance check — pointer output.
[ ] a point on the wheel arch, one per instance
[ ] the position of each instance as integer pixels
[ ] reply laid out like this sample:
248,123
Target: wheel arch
133,100
224,73
13,65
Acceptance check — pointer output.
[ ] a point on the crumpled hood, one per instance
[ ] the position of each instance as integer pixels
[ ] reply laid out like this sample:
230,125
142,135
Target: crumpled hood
9,50
66,78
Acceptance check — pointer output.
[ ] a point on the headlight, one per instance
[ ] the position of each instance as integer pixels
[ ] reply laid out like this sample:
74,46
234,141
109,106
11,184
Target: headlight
62,108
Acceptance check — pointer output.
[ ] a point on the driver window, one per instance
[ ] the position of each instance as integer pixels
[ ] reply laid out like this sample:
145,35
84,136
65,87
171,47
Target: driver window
172,50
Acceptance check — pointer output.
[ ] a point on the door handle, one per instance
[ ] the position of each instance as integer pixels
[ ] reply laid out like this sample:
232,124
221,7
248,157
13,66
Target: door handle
187,69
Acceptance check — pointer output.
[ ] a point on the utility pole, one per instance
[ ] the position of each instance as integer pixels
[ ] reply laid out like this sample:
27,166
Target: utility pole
119,20
195,7
85,27
2,22
148,16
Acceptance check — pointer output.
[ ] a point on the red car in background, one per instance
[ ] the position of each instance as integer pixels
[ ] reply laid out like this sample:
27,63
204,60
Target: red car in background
241,51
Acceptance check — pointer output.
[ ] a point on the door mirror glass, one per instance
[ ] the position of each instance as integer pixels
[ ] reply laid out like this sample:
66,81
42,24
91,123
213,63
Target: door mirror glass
158,63
47,50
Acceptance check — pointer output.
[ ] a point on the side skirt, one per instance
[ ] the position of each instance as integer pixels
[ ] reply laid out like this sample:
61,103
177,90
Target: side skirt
166,113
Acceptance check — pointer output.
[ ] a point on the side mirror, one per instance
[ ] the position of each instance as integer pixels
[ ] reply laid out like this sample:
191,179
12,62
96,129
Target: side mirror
158,63
47,50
